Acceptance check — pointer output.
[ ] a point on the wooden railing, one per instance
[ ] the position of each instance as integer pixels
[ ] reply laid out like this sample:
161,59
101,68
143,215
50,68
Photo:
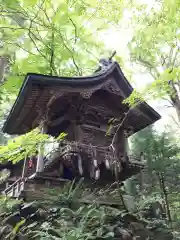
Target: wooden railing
15,189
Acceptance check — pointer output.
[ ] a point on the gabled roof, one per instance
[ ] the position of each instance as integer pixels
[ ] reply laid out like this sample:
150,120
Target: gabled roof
37,90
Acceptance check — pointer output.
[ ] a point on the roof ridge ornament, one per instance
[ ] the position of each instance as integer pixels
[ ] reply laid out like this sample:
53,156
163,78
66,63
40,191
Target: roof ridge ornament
105,63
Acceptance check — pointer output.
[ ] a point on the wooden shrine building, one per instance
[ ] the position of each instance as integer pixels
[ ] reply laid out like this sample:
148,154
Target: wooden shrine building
82,107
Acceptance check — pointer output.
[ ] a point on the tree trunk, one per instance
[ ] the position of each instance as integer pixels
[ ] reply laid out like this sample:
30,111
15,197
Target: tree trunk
3,65
177,107
175,100
163,188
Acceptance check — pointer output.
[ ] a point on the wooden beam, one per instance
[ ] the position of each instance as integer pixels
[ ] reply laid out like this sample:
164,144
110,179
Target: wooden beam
90,127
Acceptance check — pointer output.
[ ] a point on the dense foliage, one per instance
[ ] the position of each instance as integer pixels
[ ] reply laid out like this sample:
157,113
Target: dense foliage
155,49
65,217
160,179
22,146
50,37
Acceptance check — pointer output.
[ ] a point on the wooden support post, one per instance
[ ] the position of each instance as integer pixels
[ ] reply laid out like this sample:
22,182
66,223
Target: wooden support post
7,184
142,157
40,159
18,188
24,167
13,191
126,142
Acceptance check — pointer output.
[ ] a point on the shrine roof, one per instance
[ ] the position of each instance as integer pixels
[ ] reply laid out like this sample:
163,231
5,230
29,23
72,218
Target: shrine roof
38,89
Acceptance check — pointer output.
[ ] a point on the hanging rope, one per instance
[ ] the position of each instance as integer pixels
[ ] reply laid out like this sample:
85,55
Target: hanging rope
80,167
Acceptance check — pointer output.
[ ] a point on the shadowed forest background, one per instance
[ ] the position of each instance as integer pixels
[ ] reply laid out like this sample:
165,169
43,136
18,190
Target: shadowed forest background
68,38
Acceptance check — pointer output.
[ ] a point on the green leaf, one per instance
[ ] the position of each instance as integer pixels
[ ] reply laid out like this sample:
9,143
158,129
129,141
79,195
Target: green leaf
29,3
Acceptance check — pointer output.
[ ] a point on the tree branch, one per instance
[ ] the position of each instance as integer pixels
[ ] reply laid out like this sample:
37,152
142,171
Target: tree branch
168,100
19,46
175,121
17,28
174,58
51,64
37,48
170,56
71,52
163,60
75,30
119,127
44,11
30,34
149,66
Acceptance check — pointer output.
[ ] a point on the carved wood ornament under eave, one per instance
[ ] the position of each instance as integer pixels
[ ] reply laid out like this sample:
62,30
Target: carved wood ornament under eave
112,87
86,95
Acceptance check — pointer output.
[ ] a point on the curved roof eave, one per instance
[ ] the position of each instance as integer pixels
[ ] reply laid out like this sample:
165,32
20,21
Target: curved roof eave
75,84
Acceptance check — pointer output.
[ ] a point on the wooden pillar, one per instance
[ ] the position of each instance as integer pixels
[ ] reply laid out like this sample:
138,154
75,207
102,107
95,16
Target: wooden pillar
24,167
124,148
126,142
40,160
